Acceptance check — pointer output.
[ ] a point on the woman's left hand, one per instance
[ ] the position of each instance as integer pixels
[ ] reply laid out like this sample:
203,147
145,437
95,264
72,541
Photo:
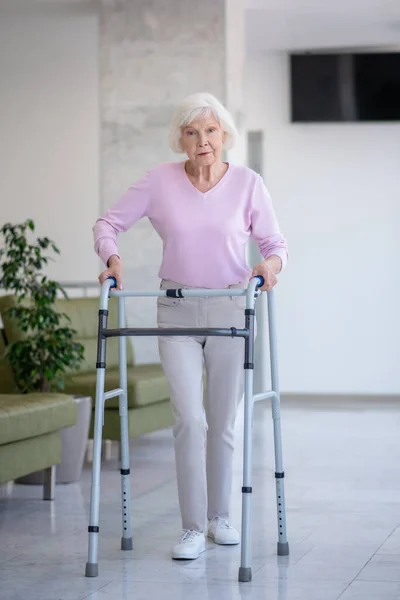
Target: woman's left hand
267,271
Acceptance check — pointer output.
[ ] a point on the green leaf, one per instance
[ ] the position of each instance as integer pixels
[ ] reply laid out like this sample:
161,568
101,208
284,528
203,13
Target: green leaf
47,348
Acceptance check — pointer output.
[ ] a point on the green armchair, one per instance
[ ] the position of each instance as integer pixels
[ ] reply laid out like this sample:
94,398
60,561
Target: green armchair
149,406
30,427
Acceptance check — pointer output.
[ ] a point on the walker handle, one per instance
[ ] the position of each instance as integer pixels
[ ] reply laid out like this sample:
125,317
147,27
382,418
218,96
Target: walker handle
114,285
260,280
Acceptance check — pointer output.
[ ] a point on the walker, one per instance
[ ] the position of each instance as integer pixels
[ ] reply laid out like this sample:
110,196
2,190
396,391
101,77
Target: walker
252,293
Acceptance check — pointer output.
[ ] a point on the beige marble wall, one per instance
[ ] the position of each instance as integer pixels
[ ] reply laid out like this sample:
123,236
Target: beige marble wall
153,53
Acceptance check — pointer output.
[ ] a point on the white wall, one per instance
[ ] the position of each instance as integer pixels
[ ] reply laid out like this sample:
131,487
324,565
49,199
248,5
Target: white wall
49,131
336,190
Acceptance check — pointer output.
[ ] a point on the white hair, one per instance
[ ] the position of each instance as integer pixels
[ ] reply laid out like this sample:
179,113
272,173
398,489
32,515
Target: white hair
199,106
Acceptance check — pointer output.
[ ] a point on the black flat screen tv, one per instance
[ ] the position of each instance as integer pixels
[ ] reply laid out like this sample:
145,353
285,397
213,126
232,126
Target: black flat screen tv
345,87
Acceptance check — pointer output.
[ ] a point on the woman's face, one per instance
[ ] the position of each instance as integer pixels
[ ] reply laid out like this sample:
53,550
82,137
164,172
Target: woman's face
203,141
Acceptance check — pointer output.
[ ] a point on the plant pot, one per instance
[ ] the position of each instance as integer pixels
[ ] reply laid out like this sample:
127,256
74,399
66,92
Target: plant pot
73,447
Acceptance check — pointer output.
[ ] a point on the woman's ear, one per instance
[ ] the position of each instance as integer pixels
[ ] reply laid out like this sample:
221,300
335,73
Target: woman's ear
224,137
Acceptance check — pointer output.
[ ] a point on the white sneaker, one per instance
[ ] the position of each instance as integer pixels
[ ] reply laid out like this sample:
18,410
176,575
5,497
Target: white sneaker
190,546
222,533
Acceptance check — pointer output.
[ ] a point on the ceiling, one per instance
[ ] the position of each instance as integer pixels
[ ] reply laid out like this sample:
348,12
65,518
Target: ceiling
321,24
294,24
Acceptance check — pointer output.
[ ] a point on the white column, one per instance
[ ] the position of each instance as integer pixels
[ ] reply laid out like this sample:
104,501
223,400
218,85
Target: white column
152,55
234,74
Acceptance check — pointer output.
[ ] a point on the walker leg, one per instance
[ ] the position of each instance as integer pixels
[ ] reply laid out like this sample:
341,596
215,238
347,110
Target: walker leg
126,539
283,545
245,566
92,568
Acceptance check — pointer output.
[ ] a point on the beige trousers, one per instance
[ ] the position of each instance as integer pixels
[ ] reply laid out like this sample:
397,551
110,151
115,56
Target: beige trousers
204,426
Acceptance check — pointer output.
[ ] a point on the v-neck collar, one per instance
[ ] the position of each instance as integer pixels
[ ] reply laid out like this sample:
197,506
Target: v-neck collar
223,179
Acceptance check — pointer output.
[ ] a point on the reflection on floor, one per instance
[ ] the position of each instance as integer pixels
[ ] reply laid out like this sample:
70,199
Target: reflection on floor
342,465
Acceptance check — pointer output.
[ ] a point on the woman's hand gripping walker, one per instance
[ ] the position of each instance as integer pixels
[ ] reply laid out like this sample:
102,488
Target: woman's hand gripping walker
252,293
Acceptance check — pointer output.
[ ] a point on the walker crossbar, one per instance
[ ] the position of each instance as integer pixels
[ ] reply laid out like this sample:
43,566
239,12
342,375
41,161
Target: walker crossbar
152,332
248,334
178,293
113,393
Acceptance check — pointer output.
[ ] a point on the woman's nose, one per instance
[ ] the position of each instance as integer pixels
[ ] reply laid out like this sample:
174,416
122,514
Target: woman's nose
202,140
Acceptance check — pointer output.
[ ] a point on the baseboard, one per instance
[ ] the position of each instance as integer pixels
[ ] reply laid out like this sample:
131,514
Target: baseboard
313,398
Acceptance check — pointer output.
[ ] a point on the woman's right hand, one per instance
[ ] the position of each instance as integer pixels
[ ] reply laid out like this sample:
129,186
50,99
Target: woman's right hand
114,270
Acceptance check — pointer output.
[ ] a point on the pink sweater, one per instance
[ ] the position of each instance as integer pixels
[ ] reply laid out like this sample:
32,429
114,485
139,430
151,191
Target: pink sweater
204,234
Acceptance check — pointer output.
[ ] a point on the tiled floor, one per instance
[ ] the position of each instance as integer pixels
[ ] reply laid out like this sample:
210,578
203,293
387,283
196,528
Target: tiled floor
342,465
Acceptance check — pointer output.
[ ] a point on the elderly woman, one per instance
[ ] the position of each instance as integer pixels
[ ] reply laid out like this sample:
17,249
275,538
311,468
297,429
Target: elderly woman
205,210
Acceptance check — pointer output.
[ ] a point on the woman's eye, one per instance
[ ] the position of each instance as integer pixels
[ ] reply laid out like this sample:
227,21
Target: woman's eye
211,130
191,133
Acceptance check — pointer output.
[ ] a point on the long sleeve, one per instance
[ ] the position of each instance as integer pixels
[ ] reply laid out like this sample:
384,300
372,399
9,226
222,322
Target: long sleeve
129,209
264,225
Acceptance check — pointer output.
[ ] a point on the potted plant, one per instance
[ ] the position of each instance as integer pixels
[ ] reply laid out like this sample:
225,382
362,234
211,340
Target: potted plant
46,346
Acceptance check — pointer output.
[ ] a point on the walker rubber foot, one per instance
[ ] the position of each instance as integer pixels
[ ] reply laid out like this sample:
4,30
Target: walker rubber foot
126,543
244,574
92,570
283,549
